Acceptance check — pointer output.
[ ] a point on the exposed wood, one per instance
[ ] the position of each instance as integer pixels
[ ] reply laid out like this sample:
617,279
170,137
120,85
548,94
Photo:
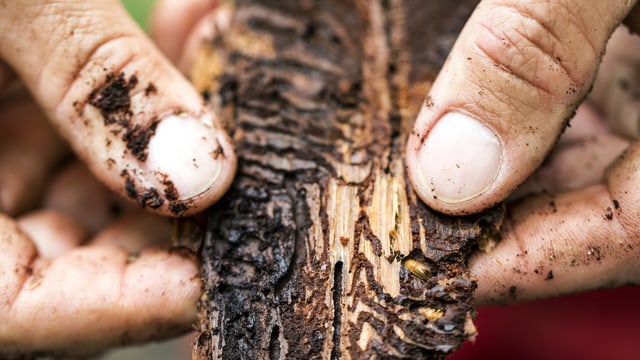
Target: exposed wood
321,248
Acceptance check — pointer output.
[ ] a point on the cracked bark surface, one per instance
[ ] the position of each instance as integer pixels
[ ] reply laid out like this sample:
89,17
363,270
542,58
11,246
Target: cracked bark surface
321,249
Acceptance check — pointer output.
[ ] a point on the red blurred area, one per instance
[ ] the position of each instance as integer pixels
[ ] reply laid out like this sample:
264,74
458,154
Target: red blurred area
602,324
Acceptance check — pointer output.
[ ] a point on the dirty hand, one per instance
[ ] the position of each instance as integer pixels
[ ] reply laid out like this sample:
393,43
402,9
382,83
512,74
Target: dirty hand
80,271
514,78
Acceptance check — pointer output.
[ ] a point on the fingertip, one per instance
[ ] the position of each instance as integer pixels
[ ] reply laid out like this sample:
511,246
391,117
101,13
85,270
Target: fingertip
188,164
53,232
173,20
171,296
191,161
133,118
455,163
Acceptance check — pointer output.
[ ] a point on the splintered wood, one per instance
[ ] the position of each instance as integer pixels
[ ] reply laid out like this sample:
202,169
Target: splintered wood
321,249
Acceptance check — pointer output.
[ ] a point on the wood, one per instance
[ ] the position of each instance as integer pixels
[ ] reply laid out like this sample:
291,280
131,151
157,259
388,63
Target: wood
321,249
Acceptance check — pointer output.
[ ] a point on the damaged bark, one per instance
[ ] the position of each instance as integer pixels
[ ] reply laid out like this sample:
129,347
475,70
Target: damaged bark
321,249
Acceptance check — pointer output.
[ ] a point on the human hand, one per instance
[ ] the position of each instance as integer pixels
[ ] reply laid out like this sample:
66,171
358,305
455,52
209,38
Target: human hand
75,277
513,80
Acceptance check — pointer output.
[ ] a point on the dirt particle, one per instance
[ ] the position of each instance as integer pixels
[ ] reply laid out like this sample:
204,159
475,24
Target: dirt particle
596,253
219,151
549,275
113,99
170,191
137,139
151,198
609,215
428,102
129,185
616,204
206,95
150,90
148,197
178,208
78,106
554,209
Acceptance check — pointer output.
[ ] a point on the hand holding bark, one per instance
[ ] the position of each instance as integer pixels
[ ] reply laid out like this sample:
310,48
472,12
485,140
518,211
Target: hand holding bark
515,77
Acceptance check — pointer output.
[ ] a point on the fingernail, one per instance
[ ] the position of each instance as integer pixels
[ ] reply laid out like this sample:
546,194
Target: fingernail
184,156
460,158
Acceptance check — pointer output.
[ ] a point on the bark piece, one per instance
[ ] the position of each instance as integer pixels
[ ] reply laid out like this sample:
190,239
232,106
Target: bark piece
321,249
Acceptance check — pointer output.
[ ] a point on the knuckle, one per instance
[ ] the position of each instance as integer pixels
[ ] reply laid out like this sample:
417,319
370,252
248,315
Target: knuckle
527,45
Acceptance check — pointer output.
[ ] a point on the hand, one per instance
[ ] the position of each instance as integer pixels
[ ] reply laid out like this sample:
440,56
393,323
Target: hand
515,76
76,276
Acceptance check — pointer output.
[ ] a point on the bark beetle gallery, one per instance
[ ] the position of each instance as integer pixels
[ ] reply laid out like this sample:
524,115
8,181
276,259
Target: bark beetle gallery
321,249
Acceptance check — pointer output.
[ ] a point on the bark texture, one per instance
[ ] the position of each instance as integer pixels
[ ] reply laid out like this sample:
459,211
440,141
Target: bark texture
321,249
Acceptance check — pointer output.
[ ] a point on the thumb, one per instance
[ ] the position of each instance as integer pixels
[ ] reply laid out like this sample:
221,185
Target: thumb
512,81
140,126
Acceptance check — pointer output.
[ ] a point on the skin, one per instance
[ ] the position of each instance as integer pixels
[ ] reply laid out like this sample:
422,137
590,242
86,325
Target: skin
580,235
79,263
50,254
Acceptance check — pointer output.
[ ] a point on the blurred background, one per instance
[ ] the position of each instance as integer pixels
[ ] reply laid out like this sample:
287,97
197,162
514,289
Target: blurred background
140,10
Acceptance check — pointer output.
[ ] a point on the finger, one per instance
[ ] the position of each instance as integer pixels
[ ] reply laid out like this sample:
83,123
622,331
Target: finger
574,166
53,232
617,87
91,298
29,150
217,20
136,231
172,22
588,122
140,126
514,77
567,243
581,157
75,191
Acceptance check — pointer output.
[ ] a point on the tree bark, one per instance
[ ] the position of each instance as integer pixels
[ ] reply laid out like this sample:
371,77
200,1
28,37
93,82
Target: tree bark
321,249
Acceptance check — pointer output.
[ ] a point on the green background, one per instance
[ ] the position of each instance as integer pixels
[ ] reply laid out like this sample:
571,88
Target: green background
140,10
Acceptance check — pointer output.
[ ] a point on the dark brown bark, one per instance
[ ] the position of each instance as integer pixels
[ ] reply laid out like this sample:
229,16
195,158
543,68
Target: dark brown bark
321,249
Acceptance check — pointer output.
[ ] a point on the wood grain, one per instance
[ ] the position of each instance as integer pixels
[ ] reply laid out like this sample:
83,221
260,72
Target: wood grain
321,249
